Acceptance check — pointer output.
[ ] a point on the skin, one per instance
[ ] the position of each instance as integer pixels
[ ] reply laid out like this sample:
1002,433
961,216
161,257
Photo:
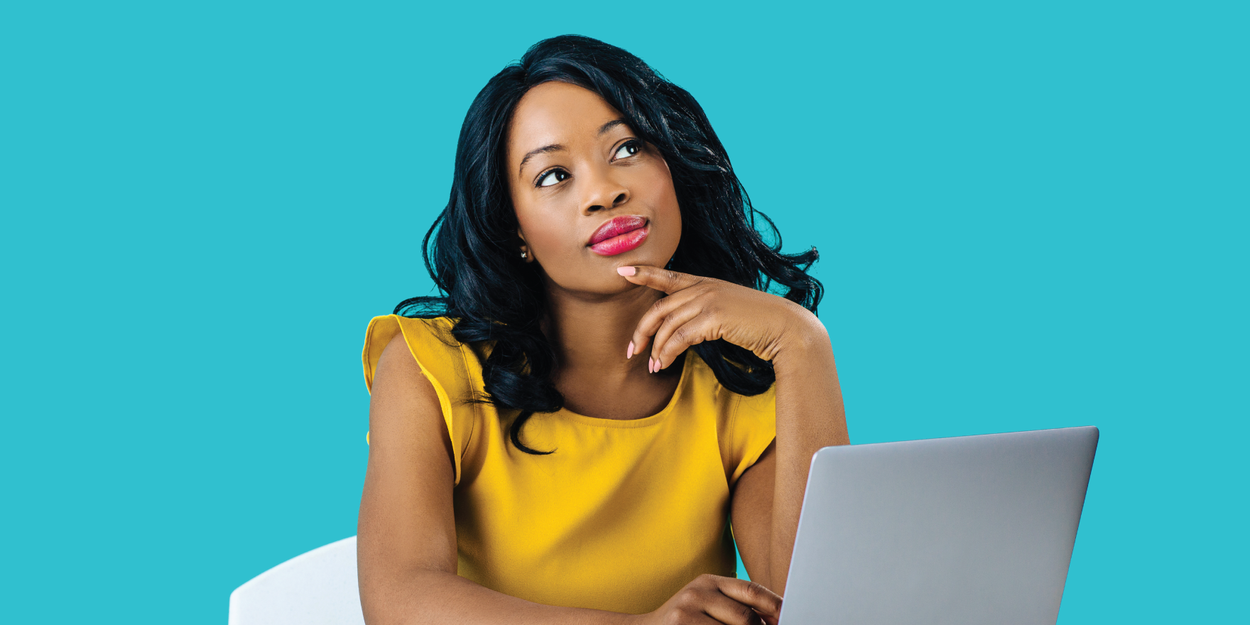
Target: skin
592,178
601,310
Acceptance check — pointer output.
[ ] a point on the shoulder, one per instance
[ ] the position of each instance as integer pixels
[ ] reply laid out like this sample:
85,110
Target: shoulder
745,424
413,328
729,404
429,341
417,348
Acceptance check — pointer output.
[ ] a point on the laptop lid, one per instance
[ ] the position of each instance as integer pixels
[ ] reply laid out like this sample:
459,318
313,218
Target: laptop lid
967,530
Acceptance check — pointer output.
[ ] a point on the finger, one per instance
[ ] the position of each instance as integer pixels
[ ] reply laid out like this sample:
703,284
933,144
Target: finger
729,611
683,328
659,279
654,317
700,619
761,599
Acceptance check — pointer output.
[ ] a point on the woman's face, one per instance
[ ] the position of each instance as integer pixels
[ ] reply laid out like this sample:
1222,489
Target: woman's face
590,196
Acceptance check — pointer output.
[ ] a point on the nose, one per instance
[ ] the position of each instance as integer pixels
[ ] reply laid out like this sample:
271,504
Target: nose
603,192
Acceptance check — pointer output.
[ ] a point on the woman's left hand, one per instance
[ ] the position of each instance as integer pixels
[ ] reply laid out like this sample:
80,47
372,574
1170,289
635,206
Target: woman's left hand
700,309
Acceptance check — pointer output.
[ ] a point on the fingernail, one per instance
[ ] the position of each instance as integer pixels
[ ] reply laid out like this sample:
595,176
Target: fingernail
626,271
629,352
650,365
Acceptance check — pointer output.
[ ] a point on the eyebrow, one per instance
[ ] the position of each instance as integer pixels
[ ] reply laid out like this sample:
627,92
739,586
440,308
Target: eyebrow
555,147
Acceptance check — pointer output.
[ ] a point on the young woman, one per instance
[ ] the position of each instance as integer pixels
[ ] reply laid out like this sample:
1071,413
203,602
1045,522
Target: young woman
607,384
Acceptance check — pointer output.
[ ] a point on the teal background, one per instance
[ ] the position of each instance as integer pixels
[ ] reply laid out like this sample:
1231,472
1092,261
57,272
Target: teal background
1030,215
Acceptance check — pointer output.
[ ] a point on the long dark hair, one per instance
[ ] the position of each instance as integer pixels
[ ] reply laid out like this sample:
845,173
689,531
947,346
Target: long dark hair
471,251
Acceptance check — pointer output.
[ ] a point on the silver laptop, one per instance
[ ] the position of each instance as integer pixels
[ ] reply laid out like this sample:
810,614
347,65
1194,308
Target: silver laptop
970,530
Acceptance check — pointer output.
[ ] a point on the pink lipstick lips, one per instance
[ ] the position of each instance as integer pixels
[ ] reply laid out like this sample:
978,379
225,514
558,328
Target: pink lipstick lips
619,235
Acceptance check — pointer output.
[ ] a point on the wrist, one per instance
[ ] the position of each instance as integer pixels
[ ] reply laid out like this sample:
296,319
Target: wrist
804,339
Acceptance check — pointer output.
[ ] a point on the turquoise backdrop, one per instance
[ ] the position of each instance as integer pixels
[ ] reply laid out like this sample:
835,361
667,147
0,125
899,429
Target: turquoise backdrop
1030,215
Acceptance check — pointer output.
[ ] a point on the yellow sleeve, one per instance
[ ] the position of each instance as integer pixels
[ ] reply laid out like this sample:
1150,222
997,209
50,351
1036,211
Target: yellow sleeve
443,361
751,429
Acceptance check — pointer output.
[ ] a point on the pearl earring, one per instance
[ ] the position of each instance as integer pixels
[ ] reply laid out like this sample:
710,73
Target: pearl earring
524,254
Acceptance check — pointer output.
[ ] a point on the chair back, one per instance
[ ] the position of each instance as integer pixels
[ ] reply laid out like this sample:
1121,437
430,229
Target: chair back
310,589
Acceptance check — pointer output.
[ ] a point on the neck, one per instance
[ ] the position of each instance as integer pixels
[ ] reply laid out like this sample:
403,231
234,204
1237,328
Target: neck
590,333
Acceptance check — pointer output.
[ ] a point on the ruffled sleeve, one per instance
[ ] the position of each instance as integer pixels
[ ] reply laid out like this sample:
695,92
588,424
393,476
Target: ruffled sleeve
448,365
752,428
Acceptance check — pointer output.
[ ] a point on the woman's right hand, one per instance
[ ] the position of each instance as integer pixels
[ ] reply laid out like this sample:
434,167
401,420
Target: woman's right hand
711,599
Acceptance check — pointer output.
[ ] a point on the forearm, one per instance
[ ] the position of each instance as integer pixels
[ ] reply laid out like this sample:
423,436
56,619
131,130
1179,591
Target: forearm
435,597
810,416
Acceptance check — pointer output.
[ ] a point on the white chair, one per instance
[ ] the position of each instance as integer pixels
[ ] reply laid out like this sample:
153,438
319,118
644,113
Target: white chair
312,588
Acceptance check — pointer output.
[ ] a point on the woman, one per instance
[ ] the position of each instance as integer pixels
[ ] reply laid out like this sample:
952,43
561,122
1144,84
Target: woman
594,222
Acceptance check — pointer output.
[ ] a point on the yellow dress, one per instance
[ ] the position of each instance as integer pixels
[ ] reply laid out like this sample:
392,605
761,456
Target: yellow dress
621,516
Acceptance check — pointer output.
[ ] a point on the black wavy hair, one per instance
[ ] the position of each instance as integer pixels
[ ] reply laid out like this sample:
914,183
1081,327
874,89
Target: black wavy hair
471,250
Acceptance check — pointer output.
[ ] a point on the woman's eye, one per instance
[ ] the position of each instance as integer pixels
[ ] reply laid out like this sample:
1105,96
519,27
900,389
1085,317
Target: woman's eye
552,177
630,148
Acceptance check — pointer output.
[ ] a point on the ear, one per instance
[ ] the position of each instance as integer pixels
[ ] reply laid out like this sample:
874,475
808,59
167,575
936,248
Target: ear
524,247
